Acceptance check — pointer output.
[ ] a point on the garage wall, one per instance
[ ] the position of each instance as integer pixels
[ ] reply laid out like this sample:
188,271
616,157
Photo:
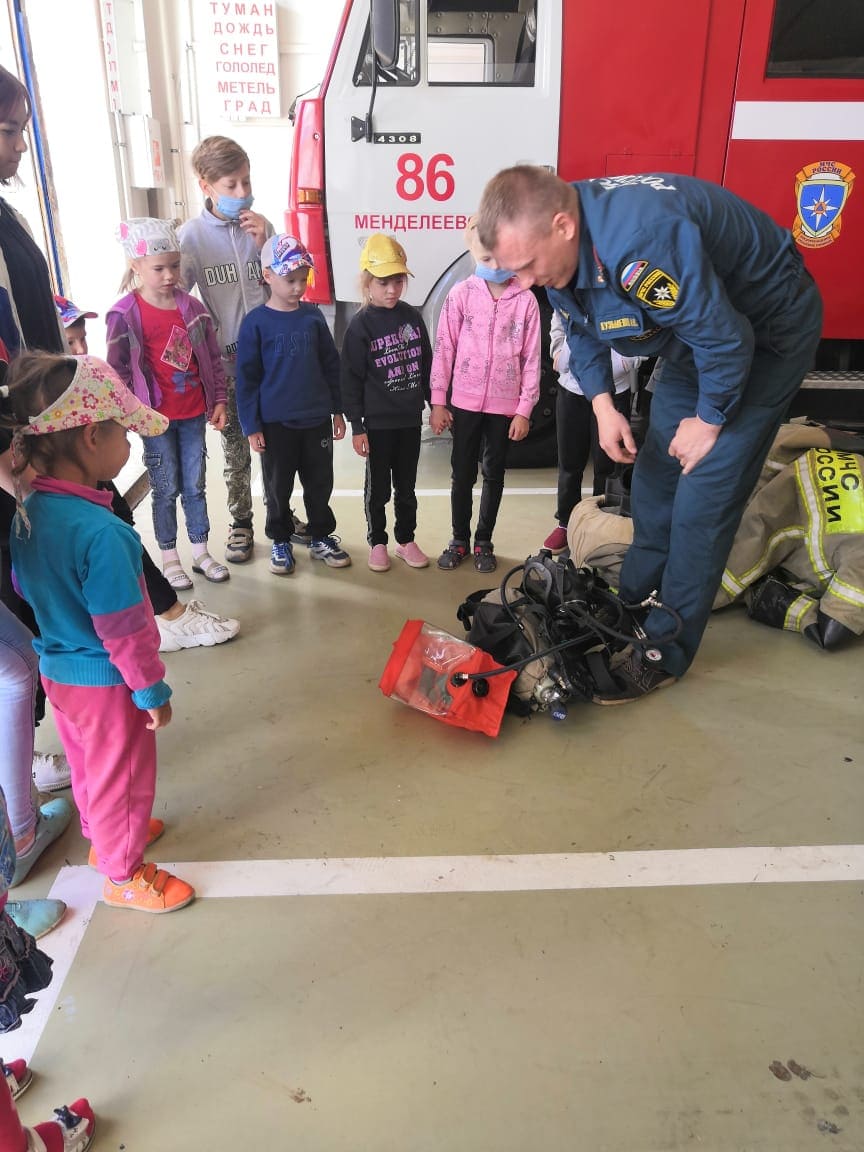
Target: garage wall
161,51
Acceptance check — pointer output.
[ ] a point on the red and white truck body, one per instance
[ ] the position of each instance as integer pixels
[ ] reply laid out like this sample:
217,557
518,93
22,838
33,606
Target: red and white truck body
762,96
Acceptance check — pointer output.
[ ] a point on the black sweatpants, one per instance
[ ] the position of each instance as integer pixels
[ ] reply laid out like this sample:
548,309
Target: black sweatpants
576,428
393,456
470,431
303,452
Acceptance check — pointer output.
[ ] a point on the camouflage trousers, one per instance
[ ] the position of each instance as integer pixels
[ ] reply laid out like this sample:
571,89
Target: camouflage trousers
238,464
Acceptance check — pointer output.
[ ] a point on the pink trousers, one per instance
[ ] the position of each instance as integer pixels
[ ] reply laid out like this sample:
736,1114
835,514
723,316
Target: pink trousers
112,755
12,1135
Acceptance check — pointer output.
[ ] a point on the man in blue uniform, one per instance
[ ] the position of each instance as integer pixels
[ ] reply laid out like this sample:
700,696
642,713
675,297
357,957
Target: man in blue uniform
668,265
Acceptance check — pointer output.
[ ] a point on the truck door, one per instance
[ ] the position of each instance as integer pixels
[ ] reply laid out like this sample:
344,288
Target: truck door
797,140
473,90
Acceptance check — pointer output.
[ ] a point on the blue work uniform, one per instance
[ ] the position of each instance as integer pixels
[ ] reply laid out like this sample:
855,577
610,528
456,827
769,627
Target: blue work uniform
676,267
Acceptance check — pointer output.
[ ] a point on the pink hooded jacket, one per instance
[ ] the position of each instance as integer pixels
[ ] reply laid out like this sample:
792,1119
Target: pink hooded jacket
487,351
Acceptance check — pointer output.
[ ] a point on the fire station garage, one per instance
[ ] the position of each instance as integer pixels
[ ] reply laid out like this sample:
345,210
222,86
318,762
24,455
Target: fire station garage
421,925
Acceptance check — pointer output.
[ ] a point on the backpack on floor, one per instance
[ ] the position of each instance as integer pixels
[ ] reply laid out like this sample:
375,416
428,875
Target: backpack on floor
555,625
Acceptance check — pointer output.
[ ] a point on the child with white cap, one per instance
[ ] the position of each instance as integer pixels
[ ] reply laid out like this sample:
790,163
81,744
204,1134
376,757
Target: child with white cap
290,405
386,359
79,566
180,625
162,344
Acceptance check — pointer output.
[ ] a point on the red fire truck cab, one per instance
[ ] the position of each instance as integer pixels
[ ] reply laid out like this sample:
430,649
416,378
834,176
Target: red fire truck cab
422,102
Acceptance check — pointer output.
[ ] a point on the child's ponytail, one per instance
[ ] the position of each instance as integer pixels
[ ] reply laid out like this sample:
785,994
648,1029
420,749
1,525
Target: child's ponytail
33,381
129,281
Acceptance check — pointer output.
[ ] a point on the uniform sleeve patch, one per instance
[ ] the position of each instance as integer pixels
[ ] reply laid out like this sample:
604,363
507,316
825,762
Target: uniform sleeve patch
658,289
631,273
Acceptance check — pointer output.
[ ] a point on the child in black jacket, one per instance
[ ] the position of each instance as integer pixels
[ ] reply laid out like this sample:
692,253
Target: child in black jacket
386,361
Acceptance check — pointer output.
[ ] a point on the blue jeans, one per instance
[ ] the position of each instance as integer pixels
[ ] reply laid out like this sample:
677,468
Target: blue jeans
19,670
176,461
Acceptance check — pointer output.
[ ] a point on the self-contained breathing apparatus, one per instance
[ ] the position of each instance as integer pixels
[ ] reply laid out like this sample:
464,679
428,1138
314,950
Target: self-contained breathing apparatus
557,626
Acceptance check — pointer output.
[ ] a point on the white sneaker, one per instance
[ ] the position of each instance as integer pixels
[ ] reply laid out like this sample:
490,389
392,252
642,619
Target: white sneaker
51,771
196,628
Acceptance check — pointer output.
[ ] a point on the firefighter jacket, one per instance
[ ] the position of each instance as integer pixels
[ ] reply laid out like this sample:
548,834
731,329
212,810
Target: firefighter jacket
807,519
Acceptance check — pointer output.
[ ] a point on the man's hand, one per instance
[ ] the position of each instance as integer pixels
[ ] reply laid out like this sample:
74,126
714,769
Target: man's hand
160,717
361,444
692,442
613,430
256,441
338,426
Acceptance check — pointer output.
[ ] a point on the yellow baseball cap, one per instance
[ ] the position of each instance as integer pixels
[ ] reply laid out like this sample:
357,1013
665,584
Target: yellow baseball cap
384,256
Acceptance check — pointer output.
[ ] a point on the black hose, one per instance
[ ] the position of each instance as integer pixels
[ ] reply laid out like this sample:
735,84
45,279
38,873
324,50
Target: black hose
584,616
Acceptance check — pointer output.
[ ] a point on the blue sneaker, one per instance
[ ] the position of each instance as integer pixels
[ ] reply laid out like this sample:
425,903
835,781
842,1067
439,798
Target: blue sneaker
52,821
37,917
281,558
328,550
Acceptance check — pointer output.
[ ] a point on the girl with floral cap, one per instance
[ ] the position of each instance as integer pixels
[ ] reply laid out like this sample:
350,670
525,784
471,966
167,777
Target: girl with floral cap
80,567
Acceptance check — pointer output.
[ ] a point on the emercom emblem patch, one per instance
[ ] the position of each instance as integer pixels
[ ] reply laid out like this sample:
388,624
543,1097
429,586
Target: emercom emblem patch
658,289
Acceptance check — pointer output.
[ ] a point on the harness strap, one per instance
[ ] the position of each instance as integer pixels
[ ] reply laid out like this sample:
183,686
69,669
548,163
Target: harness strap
600,674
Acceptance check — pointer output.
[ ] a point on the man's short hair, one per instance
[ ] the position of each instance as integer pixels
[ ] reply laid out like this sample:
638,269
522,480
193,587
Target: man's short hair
526,192
217,156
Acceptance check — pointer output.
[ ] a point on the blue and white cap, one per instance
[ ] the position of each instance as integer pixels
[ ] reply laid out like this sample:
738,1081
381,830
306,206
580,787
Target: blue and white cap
284,254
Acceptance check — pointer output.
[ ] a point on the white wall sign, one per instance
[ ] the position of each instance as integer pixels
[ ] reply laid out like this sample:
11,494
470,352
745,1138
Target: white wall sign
243,48
112,63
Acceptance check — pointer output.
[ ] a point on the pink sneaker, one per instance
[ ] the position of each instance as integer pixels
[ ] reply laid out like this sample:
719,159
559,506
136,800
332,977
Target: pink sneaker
413,556
379,561
556,541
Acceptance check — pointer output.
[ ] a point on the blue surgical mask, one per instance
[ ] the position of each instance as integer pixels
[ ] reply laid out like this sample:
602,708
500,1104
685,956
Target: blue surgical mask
493,275
231,206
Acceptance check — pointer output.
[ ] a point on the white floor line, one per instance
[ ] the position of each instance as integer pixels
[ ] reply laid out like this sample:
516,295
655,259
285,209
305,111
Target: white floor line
81,887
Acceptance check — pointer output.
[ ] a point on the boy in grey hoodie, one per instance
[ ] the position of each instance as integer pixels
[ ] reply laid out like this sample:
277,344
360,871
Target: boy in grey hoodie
220,252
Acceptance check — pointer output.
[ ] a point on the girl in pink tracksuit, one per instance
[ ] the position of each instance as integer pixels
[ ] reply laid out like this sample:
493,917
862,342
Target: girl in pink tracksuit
485,382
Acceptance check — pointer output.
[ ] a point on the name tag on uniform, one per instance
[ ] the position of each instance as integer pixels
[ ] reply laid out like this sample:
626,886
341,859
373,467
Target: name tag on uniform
618,321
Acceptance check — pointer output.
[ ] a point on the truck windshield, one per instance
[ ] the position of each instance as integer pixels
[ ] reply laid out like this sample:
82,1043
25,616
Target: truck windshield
465,45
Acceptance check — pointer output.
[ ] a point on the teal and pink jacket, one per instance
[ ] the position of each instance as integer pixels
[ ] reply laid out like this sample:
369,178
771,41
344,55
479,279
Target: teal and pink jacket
79,567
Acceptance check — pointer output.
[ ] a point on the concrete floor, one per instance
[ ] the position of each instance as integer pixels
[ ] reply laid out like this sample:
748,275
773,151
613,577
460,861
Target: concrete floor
555,992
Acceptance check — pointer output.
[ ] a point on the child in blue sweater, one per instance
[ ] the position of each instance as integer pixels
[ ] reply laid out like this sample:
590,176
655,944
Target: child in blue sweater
289,403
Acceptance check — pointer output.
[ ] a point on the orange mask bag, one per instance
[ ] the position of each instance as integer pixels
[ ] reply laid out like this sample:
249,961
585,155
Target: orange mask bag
425,669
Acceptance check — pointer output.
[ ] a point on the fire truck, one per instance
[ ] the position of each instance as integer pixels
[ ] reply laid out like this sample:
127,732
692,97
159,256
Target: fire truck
422,102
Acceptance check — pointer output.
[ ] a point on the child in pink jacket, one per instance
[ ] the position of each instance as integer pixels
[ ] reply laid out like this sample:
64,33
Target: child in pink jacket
485,382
